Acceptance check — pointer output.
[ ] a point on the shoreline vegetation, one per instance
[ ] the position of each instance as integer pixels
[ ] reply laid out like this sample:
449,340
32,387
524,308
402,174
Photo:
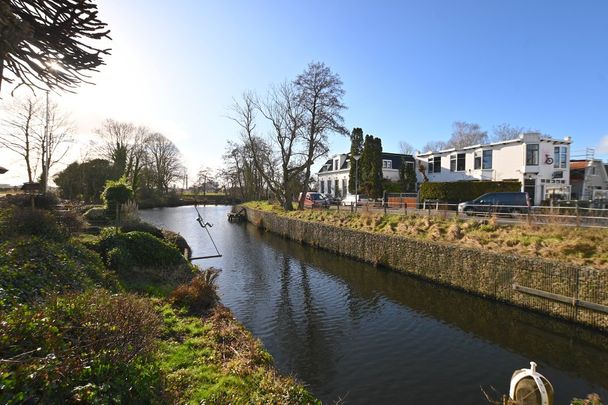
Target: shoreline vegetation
120,316
579,246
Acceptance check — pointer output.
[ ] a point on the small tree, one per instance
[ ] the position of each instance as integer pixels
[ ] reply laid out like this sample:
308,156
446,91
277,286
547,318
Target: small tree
356,147
116,193
407,177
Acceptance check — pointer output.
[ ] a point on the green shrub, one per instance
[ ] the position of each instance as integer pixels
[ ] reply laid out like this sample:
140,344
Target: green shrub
458,191
140,226
144,249
15,222
199,294
178,241
33,268
116,193
97,215
41,201
71,221
93,347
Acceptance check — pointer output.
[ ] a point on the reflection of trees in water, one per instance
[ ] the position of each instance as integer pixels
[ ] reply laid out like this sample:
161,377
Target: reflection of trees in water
555,343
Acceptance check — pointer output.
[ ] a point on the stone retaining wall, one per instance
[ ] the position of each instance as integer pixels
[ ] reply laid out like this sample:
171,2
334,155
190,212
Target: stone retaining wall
474,270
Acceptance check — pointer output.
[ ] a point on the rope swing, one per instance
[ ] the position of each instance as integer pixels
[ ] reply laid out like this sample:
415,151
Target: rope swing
205,226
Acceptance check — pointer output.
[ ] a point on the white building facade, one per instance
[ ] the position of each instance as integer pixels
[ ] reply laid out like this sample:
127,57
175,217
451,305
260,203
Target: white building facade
335,173
540,163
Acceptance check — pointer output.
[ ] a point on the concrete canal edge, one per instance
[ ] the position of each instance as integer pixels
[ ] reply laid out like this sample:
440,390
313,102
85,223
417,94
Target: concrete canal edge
558,289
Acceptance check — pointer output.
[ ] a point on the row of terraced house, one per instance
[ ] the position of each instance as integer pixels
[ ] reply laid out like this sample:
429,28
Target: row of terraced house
541,164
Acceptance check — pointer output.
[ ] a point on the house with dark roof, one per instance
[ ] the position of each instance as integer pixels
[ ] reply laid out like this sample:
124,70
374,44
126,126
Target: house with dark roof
586,177
335,173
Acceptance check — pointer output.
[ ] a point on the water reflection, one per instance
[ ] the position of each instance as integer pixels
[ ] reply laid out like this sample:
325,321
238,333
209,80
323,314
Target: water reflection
352,331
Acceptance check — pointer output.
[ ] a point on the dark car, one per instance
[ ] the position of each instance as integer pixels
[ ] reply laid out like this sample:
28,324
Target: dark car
501,203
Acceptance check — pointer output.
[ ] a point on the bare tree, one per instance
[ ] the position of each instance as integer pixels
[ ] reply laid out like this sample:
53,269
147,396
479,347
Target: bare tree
466,134
319,94
18,132
275,156
164,161
54,141
506,132
117,138
124,144
434,146
37,34
406,148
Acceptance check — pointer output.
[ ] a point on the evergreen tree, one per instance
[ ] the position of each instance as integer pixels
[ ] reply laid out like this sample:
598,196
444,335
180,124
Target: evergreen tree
371,167
356,147
410,178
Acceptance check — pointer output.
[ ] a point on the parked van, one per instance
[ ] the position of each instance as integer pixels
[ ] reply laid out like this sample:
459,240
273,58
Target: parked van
314,200
507,202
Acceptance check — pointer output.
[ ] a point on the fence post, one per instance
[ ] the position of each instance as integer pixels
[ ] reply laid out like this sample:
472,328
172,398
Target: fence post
578,217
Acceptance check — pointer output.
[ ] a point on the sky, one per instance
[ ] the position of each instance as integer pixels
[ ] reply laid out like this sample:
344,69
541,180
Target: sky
409,68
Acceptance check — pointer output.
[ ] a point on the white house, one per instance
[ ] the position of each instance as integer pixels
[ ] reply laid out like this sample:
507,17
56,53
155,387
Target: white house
335,173
587,177
539,162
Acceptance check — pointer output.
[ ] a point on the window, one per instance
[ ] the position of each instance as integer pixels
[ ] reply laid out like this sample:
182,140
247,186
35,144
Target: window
487,159
457,162
532,154
560,157
322,186
435,164
344,186
387,164
336,187
328,186
336,164
409,164
477,160
461,163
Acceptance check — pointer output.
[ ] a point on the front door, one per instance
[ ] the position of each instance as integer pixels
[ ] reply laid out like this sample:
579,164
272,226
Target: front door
530,187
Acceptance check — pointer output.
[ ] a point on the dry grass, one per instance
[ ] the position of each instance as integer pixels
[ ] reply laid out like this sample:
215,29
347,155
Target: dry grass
582,246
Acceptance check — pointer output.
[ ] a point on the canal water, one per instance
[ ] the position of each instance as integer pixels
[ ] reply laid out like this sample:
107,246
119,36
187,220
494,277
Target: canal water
363,335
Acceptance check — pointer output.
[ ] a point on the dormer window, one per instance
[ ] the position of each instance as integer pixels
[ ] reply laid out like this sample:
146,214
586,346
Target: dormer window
336,164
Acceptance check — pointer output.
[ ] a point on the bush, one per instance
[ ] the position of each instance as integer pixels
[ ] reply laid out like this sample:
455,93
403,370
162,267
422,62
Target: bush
71,221
116,193
140,226
143,249
97,215
41,201
178,241
198,295
15,222
33,268
459,191
91,347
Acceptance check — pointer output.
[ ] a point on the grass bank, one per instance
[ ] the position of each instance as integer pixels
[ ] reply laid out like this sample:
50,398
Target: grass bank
119,317
581,246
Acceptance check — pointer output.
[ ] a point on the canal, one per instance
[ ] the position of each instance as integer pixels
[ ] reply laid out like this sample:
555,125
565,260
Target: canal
354,332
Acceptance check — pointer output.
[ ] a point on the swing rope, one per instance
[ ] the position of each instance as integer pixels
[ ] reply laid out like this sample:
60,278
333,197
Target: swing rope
205,226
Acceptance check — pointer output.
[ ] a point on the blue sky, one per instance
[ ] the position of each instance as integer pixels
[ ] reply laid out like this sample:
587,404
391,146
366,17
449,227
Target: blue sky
410,68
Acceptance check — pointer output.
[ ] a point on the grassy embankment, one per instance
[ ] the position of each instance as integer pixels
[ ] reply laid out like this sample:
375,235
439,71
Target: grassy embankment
582,246
119,317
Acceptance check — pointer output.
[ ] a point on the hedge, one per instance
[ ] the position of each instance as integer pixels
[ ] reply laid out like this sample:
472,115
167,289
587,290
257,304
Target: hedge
458,191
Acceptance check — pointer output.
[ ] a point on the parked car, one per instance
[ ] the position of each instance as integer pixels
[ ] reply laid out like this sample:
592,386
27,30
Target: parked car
332,200
350,200
499,202
315,200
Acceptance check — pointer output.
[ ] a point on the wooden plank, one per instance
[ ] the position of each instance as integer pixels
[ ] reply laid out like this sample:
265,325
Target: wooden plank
204,257
561,298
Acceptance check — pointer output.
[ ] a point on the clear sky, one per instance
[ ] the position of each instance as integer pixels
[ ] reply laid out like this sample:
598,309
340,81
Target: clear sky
410,68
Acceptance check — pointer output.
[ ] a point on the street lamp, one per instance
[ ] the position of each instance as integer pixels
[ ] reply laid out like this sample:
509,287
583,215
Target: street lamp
356,157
